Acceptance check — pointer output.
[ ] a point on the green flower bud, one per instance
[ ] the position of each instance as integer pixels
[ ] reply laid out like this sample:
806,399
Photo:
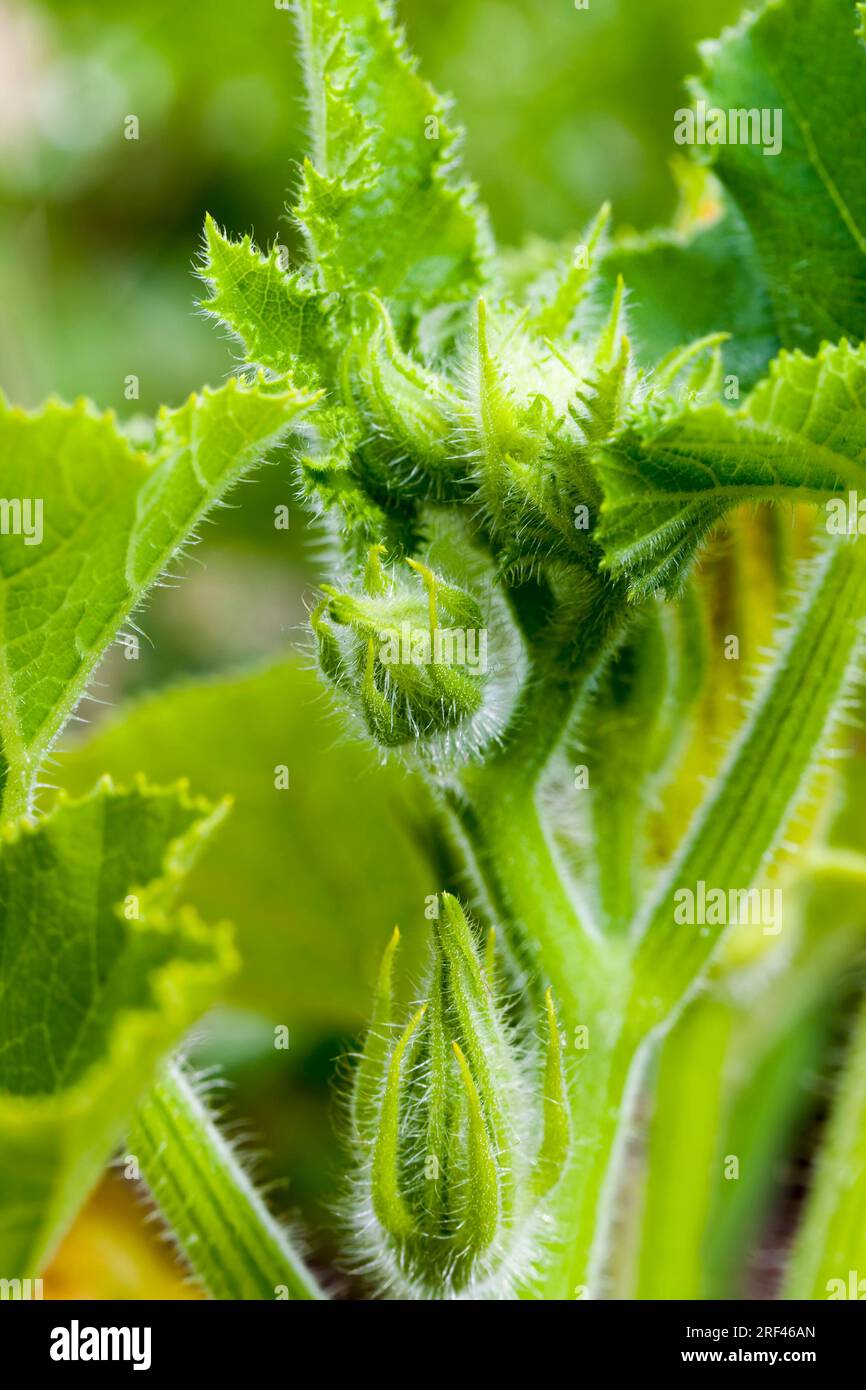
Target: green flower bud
535,414
411,654
460,1128
409,412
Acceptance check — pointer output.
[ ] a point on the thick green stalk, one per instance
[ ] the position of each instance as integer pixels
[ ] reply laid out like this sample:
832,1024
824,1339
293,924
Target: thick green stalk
766,776
829,1256
510,848
601,1106
235,1246
527,891
734,1083
16,792
528,894
742,821
569,638
684,1160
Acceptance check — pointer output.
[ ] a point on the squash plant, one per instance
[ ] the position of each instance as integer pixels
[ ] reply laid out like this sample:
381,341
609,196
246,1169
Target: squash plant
518,460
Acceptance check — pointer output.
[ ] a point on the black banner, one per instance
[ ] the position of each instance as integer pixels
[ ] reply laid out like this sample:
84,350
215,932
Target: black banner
84,1339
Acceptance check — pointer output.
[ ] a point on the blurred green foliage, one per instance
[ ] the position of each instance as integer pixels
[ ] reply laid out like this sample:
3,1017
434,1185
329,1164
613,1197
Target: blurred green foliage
306,879
563,107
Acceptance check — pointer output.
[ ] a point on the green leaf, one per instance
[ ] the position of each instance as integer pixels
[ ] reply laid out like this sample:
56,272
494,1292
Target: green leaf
805,206
382,205
800,436
784,264
558,297
683,287
101,977
278,316
294,854
113,517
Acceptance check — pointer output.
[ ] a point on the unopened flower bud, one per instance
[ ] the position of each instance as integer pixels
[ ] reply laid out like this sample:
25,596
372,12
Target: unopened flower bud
409,652
462,1128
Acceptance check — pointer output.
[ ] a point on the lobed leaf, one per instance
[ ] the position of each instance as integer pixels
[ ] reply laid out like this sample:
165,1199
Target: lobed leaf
382,205
684,286
779,260
101,976
279,317
300,960
112,518
799,437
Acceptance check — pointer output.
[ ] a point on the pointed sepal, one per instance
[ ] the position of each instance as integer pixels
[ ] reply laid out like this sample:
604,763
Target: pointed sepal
553,1152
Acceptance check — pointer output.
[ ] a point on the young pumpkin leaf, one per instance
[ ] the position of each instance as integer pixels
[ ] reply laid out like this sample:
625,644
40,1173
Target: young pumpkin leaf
799,186
781,262
799,437
382,205
683,287
110,517
278,316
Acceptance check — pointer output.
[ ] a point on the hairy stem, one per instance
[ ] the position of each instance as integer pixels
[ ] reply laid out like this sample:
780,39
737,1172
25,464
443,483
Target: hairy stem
766,777
832,1241
235,1246
516,863
16,788
527,886
569,639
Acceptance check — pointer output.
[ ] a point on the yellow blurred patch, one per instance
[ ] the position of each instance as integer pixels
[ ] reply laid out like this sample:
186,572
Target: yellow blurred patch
113,1251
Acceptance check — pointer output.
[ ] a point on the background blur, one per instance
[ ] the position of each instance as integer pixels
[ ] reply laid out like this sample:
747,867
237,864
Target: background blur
563,108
